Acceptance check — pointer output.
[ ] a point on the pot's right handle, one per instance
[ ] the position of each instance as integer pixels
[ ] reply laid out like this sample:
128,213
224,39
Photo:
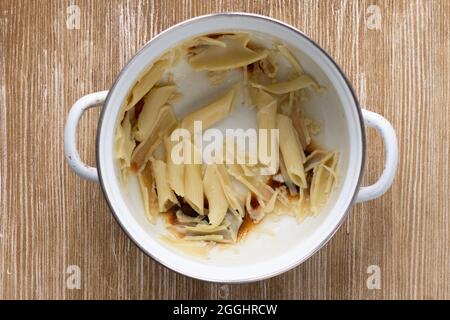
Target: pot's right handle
70,134
387,132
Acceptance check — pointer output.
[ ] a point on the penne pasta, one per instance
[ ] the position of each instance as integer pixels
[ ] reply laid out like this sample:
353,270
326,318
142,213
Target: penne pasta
166,198
291,151
164,123
301,82
217,201
124,142
146,82
300,126
235,54
193,183
259,97
204,41
211,113
316,158
288,55
231,195
267,144
153,101
319,181
175,172
149,196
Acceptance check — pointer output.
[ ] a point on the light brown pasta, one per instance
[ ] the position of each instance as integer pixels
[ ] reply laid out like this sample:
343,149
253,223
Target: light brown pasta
166,197
292,151
146,82
301,82
211,113
153,101
175,172
164,123
193,183
235,54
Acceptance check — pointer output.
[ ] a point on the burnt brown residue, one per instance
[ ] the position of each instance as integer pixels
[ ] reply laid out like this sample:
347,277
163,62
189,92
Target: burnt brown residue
274,184
134,167
310,148
218,35
172,216
138,108
246,226
254,203
205,203
185,208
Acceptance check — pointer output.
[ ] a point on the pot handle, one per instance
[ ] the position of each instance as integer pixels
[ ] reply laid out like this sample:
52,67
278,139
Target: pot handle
374,120
70,134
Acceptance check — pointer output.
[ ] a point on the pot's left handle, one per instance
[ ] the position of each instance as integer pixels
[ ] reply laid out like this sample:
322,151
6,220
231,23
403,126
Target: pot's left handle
70,134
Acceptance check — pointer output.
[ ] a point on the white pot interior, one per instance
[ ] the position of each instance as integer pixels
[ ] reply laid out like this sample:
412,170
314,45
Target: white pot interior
276,245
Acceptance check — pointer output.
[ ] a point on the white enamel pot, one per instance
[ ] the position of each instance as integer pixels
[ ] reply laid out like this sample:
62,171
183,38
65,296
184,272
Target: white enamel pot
280,244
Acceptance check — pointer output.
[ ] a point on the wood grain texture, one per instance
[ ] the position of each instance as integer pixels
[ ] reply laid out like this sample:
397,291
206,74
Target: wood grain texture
51,219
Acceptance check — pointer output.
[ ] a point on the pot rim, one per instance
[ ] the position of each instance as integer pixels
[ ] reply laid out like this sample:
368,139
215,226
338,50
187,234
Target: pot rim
361,169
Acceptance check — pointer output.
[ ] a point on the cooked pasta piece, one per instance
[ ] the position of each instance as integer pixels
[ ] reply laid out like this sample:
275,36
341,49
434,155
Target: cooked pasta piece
175,171
235,54
149,196
319,181
193,184
209,237
267,144
259,97
291,151
204,41
185,219
166,197
233,223
236,172
146,82
301,82
288,55
231,195
303,207
316,158
153,101
164,123
211,113
218,204
269,65
298,120
124,142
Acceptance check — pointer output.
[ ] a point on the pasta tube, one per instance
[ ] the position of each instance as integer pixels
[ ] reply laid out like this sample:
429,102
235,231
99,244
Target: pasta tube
146,82
164,123
301,82
291,151
212,113
193,184
175,172
235,54
149,196
166,198
153,101
217,201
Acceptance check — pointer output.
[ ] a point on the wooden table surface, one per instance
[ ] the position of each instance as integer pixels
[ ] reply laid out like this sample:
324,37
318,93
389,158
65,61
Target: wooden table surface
56,231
